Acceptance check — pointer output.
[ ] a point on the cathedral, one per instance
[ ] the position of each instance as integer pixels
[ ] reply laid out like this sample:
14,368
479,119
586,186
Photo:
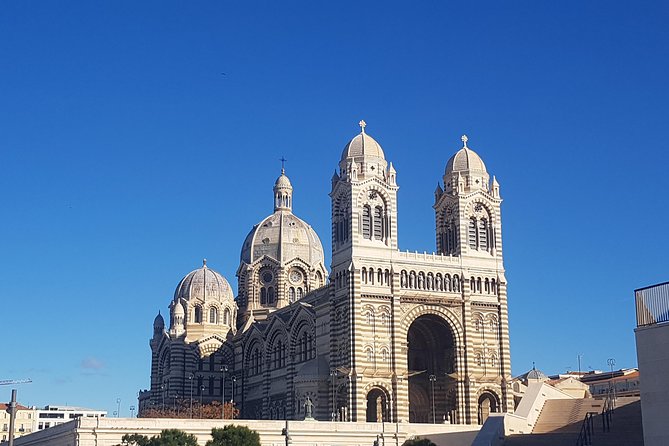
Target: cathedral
385,335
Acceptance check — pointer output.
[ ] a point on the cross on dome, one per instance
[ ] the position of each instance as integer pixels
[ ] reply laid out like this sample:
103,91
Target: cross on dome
464,141
283,161
362,125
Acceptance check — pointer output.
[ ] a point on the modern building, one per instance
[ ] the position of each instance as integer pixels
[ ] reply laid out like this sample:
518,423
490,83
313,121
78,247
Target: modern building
23,425
387,335
50,416
652,347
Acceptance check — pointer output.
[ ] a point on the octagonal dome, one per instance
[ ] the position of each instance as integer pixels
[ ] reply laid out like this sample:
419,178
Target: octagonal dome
203,284
283,237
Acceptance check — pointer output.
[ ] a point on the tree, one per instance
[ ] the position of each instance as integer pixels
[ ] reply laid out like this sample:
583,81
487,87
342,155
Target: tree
232,435
168,437
419,442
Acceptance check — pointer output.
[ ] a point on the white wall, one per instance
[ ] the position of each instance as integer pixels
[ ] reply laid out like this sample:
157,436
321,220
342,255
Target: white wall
652,349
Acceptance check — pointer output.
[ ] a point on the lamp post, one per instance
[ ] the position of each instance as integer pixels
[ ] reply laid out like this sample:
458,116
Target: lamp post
132,411
433,378
224,369
190,377
201,393
162,394
234,382
333,375
118,407
611,362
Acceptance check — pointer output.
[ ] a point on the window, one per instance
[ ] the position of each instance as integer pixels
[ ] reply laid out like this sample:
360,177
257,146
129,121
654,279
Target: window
366,222
299,293
483,234
263,296
270,296
291,295
226,316
369,353
213,315
473,232
198,314
378,223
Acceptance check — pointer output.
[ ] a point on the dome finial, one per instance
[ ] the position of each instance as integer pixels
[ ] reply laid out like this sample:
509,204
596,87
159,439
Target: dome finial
283,162
464,141
204,263
362,125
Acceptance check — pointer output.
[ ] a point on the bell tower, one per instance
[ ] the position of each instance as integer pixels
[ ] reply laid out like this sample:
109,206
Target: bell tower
467,208
364,200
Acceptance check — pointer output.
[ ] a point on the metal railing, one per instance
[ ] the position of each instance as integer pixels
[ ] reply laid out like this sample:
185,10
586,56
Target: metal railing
587,430
588,427
652,304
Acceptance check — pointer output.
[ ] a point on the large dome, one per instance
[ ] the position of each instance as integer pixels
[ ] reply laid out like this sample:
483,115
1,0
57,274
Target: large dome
203,284
282,236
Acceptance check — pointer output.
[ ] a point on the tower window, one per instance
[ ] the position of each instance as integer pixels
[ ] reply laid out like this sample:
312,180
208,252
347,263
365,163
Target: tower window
198,314
483,234
366,222
378,223
473,233
213,316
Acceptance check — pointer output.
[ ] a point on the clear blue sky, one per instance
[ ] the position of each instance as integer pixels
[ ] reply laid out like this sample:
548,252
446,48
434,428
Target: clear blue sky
127,156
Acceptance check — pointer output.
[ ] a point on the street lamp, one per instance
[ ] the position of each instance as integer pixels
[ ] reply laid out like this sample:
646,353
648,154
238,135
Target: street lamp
224,369
190,377
234,382
611,362
118,406
201,393
333,375
433,378
162,393
132,411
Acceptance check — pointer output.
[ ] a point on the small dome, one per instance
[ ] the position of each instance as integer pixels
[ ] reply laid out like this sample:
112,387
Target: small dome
536,374
465,160
179,309
283,181
362,145
159,322
203,284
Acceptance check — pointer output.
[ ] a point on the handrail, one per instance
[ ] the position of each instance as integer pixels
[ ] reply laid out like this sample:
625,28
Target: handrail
585,436
607,413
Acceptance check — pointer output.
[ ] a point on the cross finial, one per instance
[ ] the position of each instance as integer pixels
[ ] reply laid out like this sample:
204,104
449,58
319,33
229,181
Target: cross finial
362,125
283,162
464,141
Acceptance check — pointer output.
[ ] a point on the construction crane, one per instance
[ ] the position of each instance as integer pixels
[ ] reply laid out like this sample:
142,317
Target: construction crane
7,382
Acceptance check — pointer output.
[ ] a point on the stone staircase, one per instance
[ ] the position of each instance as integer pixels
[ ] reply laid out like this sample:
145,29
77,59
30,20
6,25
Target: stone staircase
560,421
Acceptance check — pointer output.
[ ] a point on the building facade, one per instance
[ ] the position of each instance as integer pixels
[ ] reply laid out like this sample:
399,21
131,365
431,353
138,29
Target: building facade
390,335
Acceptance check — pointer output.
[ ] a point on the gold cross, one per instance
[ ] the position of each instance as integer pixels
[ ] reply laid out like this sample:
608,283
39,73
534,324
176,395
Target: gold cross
464,141
362,125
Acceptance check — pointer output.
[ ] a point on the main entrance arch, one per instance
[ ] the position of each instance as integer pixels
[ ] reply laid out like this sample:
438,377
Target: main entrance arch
431,357
488,403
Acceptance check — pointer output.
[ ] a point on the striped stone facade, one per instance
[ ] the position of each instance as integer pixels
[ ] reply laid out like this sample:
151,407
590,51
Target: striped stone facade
392,336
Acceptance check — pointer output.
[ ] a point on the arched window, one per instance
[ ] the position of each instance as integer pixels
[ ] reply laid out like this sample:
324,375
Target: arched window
291,295
366,222
226,316
379,276
299,293
473,229
263,296
387,277
478,285
493,286
198,314
378,223
363,274
213,315
487,286
472,284
384,355
270,296
369,353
